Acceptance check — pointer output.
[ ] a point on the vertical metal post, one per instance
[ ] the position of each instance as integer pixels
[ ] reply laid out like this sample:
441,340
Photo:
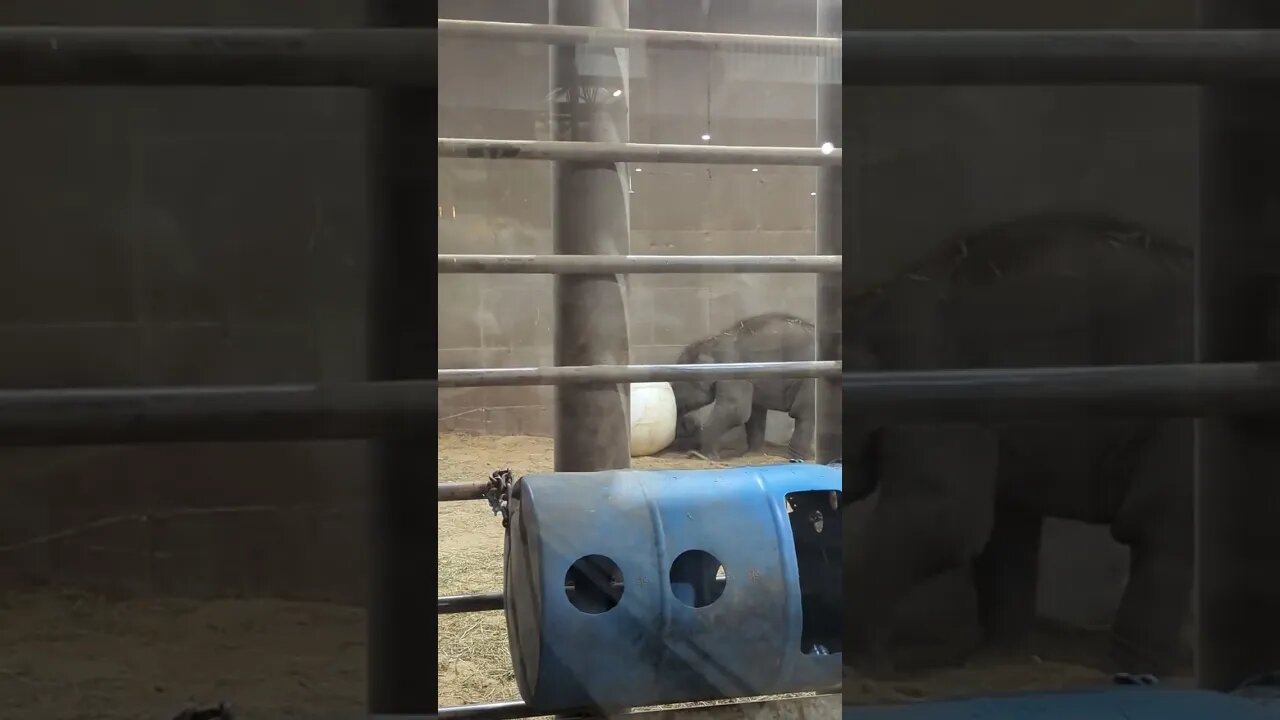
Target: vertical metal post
401,331
591,216
1238,459
828,224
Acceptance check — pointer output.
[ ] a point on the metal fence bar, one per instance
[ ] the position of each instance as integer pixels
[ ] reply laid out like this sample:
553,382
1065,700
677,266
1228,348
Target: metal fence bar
806,707
593,264
639,38
825,706
357,57
216,414
829,239
508,710
950,57
590,215
1118,391
451,604
482,602
400,345
589,374
579,151
982,57
376,57
1237,262
358,410
452,492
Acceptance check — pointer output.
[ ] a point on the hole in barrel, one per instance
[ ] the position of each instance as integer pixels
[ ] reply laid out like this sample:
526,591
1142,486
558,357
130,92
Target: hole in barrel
698,578
594,584
817,532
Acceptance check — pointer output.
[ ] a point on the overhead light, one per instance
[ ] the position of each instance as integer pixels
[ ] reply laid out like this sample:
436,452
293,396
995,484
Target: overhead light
706,137
827,148
617,93
755,169
639,169
813,194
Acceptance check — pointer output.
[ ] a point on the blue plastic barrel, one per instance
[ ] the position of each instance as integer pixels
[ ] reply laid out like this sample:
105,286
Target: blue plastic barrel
628,588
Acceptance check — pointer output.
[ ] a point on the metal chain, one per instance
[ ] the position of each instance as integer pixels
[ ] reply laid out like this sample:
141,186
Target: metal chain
498,493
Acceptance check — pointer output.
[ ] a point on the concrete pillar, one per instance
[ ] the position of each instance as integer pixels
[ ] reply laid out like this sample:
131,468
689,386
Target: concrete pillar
1238,459
829,238
591,216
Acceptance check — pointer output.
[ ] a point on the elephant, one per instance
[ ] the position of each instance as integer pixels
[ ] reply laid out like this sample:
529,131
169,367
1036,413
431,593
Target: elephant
772,337
1051,289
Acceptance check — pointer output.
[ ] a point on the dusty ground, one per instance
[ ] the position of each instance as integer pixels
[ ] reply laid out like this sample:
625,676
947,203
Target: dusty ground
473,657
69,656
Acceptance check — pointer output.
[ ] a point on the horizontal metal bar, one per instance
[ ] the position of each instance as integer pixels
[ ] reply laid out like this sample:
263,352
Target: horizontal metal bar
217,414
377,57
599,264
1189,390
807,707
640,39
606,374
483,602
357,410
508,710
358,57
963,57
451,604
983,57
810,707
452,492
636,152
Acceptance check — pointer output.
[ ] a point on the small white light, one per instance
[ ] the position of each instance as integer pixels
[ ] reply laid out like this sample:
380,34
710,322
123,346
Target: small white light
813,194
755,169
639,169
706,137
827,148
617,93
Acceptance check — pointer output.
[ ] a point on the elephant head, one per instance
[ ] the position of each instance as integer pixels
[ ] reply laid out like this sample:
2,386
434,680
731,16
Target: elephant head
690,394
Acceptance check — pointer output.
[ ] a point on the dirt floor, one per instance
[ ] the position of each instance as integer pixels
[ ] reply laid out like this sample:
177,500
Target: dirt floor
70,656
473,657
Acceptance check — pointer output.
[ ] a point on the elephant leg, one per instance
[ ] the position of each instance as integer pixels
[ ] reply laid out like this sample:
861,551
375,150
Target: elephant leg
804,412
933,515
731,409
756,424
1005,577
1156,521
1147,630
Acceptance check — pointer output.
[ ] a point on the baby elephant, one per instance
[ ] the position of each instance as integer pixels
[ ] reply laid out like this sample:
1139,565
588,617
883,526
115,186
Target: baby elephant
772,337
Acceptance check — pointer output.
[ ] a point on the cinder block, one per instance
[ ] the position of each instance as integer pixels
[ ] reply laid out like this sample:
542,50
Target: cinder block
679,316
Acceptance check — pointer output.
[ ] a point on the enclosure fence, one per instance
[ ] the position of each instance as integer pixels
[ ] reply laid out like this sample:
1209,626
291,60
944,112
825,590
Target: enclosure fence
395,58
600,207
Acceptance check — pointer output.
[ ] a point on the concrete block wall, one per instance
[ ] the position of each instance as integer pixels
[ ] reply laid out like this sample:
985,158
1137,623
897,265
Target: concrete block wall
503,321
498,90
157,236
